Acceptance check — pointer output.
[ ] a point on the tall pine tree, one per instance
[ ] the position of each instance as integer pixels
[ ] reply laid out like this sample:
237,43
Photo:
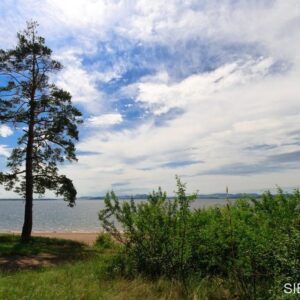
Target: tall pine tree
44,116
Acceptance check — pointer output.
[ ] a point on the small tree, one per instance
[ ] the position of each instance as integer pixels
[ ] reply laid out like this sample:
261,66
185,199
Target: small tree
45,115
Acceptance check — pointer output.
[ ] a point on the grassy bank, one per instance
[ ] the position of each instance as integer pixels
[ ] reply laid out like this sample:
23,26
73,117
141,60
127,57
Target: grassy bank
86,276
83,280
248,249
89,276
243,250
65,249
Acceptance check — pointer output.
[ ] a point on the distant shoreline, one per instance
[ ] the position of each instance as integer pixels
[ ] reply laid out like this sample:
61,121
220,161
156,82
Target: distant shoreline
220,196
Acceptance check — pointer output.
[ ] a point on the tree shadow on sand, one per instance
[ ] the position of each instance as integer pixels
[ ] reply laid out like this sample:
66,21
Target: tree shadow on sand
38,252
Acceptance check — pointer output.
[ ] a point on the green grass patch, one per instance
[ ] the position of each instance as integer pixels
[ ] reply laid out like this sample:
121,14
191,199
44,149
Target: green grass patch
89,278
99,275
12,245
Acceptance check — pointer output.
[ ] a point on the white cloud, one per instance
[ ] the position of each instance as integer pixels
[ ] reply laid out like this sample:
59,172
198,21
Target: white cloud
5,131
268,22
81,83
221,120
104,120
162,96
240,104
4,150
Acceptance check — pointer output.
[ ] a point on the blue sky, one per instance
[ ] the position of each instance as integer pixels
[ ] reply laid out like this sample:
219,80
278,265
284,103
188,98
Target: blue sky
207,90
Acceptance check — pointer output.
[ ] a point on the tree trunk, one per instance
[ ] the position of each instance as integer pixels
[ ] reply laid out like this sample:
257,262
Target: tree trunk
27,226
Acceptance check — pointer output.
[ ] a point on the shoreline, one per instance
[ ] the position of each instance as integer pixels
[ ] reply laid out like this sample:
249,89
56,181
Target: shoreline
52,231
87,237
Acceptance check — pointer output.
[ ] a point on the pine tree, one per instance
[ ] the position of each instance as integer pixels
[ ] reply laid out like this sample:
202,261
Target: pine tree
44,117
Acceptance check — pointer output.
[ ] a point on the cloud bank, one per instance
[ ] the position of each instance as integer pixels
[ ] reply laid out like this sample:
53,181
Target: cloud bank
204,90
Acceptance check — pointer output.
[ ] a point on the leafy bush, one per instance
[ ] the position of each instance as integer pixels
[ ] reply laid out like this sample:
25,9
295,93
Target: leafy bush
104,241
251,244
155,233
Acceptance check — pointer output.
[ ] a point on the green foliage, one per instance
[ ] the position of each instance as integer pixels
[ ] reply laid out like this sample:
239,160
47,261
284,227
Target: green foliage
84,280
251,247
154,233
92,276
104,241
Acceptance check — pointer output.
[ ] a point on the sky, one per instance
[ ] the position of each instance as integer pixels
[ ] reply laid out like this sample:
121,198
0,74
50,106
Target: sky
207,90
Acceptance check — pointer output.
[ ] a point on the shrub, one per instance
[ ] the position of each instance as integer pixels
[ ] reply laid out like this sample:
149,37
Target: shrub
155,233
104,241
251,244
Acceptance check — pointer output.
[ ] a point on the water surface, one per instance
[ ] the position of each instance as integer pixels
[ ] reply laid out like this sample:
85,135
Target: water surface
55,215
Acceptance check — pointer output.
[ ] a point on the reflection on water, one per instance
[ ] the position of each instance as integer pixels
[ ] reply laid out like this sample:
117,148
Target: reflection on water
55,215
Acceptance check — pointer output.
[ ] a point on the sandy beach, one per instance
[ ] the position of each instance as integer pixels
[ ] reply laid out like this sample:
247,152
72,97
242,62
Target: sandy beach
85,237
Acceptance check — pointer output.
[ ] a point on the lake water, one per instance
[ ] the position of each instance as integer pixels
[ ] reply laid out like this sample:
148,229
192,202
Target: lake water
55,215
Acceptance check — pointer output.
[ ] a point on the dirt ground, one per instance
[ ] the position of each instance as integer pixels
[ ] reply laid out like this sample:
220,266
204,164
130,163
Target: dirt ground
13,262
45,259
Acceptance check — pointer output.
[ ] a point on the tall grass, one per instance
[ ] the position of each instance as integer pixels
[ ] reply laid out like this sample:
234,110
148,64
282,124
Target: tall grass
90,279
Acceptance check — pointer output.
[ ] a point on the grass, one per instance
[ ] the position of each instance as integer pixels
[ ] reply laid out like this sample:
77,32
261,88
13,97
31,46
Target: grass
11,245
87,277
83,280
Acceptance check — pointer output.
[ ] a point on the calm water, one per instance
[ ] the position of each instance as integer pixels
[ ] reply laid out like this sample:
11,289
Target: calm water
49,215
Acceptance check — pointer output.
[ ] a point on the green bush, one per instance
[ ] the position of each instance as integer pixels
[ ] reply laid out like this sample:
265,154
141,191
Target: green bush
155,233
251,244
104,241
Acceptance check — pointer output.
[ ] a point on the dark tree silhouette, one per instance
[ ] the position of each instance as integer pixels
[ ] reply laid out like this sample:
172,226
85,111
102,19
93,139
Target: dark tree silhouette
44,115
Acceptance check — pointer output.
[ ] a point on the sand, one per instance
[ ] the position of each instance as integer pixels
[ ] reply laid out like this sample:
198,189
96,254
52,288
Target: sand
85,237
45,259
